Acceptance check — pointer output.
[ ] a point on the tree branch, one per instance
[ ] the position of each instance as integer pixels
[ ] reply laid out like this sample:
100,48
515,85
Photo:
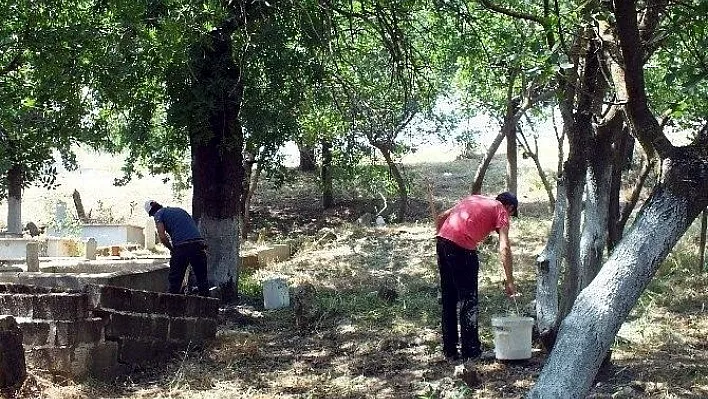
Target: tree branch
515,14
14,63
650,19
645,125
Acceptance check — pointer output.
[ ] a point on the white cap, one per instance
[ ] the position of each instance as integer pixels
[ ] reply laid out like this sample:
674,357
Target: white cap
148,205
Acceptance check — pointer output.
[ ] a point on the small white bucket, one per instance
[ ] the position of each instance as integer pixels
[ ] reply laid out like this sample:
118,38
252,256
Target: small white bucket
275,293
512,337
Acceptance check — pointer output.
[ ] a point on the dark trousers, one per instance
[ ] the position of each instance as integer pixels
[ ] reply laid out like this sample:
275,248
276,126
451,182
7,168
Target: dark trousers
191,253
459,269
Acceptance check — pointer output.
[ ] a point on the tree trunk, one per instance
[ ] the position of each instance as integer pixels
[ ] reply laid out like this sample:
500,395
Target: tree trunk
575,183
217,168
580,139
14,199
307,158
544,180
598,192
597,199
512,163
326,175
702,245
634,197
484,165
560,140
589,330
80,212
255,175
400,184
618,163
548,265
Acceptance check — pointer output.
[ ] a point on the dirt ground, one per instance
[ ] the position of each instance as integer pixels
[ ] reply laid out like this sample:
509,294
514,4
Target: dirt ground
365,320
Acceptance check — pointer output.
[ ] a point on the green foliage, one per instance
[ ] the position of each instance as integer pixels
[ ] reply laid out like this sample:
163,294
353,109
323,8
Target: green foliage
249,288
495,51
368,180
678,78
45,52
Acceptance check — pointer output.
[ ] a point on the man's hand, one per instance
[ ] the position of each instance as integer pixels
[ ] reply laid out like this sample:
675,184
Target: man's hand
510,289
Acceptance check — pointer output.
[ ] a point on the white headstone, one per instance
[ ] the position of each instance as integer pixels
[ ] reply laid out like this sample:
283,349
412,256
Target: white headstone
91,245
275,293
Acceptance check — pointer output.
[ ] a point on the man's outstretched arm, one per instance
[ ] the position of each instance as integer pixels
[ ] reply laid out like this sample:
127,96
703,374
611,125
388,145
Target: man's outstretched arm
160,227
505,254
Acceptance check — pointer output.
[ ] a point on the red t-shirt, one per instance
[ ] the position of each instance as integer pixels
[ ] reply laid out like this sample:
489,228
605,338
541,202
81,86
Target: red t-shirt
472,220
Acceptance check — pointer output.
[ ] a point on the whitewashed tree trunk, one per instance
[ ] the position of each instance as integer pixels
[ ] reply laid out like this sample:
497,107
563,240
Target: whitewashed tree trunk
222,238
588,331
580,140
548,265
595,221
571,240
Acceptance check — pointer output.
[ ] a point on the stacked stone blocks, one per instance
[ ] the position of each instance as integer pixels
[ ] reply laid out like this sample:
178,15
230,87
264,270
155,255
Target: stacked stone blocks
97,330
149,327
60,334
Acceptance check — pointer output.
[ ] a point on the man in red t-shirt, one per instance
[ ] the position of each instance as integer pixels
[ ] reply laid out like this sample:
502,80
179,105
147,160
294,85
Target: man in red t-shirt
459,230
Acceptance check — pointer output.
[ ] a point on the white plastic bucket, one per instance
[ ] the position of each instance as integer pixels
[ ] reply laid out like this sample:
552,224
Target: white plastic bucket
512,337
275,293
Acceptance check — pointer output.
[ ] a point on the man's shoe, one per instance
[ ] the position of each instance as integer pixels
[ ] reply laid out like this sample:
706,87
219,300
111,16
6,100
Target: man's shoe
479,355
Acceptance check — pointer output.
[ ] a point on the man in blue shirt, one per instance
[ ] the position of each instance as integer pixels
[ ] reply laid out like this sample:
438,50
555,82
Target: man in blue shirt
185,243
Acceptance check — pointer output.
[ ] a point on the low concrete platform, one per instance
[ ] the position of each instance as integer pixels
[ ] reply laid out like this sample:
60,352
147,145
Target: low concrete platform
71,273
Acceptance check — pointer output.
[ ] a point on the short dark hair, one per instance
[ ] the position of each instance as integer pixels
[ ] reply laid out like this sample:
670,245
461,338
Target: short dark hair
508,198
154,207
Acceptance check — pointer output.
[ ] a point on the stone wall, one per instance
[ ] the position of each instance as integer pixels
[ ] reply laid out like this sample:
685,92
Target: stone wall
95,331
60,333
150,326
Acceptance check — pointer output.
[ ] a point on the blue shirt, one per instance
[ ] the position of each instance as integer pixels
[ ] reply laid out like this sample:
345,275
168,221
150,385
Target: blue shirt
178,224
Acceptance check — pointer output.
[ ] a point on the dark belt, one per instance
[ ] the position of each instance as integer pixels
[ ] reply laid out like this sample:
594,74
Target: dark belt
189,242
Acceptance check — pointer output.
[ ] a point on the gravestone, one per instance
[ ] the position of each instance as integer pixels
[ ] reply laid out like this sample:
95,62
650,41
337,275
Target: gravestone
91,246
12,356
32,258
275,293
